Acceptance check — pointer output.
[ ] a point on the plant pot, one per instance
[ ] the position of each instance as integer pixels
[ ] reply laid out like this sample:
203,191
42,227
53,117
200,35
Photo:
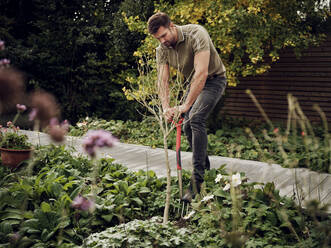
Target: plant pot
12,158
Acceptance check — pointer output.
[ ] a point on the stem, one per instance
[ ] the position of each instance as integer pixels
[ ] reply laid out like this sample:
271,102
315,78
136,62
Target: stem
168,191
16,117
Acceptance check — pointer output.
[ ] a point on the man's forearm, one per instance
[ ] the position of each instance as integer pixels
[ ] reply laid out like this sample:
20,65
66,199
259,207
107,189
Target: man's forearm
163,89
198,82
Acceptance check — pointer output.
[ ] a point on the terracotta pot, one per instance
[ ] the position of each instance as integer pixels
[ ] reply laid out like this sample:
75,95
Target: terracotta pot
12,158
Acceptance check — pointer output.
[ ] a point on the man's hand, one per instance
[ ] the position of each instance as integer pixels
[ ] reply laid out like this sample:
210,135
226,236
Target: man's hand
183,108
169,113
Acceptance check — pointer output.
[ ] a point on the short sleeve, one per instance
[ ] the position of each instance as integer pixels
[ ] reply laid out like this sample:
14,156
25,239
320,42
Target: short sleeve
161,57
200,40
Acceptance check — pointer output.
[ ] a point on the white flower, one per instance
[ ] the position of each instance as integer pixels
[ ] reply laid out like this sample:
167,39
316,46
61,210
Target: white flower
86,118
189,215
218,178
227,187
79,124
207,198
258,186
236,180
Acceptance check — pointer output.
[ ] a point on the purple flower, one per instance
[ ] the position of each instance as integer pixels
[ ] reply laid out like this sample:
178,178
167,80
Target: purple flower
33,114
82,203
4,62
65,125
20,107
57,131
2,45
98,138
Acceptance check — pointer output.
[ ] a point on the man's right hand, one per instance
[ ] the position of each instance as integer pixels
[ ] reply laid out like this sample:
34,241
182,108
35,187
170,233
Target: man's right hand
169,113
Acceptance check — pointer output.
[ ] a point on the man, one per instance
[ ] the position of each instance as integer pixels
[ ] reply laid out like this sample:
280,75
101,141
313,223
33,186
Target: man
190,50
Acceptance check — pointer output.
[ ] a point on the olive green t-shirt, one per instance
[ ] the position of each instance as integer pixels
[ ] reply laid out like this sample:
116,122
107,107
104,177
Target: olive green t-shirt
192,39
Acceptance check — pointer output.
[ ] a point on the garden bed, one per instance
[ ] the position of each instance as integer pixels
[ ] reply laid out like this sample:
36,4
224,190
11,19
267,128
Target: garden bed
37,208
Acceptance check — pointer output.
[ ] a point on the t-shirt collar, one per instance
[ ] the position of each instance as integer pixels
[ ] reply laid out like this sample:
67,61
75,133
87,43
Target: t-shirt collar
180,34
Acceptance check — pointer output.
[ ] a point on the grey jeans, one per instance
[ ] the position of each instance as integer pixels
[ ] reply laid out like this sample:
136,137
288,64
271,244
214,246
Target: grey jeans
195,127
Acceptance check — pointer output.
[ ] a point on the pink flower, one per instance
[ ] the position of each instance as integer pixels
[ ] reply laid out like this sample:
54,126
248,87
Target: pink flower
65,125
82,203
57,131
33,114
303,133
276,130
98,138
9,124
4,62
2,45
20,107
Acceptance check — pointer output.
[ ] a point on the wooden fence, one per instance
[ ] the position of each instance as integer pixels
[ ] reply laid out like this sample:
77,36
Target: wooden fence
308,78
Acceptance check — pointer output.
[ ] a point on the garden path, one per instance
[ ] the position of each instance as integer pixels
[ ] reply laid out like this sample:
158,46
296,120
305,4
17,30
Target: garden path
307,184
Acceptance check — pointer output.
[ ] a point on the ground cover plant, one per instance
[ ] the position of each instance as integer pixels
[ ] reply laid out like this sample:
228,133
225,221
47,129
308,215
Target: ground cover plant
52,206
236,138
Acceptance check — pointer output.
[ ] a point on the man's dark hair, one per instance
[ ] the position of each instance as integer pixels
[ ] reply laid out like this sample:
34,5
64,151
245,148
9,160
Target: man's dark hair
156,21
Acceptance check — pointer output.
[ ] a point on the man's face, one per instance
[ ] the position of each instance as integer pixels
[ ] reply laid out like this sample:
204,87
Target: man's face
166,36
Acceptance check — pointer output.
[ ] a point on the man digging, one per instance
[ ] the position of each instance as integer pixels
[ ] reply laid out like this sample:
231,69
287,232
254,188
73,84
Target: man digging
190,50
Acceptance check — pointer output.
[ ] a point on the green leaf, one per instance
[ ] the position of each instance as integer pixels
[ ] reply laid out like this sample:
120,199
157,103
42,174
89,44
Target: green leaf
138,201
75,192
107,217
45,207
221,193
6,227
12,216
144,190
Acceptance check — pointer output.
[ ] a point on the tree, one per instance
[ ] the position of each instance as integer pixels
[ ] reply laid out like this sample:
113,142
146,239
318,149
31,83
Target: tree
249,34
77,50
147,94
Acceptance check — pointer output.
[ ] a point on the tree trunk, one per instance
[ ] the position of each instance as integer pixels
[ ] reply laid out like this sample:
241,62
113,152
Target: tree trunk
168,191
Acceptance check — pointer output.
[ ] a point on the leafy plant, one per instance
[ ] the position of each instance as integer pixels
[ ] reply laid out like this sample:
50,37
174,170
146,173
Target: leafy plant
139,233
10,137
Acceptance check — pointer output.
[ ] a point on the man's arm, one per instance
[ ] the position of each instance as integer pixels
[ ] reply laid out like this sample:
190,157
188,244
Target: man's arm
201,63
163,86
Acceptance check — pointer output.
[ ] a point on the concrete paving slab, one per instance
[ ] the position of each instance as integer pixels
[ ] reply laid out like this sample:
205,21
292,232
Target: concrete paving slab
309,184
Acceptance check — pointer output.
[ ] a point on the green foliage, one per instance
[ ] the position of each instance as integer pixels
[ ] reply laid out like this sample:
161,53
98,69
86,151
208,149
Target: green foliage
230,140
248,34
265,220
138,233
76,50
13,140
36,210
56,178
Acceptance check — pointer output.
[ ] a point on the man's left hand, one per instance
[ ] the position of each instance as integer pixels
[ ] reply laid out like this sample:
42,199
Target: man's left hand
183,108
